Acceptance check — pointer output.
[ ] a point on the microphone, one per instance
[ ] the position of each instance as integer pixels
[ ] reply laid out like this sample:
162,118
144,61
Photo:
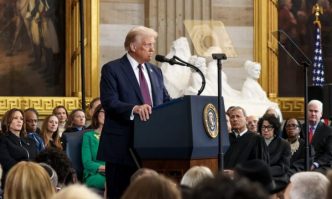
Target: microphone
172,61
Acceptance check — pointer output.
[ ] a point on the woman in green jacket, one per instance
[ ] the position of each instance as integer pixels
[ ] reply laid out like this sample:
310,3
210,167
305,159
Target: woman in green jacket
94,170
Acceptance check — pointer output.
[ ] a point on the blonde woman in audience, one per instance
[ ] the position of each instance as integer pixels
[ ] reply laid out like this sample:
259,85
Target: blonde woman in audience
195,175
152,187
76,191
76,121
49,132
62,114
28,180
15,146
94,170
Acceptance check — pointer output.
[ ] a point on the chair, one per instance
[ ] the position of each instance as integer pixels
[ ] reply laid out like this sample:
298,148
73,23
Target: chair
73,150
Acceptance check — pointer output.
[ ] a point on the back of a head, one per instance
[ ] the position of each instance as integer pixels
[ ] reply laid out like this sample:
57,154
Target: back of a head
143,172
151,187
76,191
195,175
308,185
223,187
256,171
28,180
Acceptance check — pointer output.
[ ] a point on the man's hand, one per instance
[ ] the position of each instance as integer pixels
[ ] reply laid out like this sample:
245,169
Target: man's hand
143,111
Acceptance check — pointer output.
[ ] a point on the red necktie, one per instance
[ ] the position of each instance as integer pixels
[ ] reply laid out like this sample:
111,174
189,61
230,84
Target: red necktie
311,133
144,86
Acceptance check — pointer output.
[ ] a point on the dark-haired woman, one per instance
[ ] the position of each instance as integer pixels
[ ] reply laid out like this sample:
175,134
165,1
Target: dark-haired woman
94,170
279,150
291,132
15,146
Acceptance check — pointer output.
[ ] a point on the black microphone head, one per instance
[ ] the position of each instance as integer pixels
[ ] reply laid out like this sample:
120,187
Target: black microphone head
160,58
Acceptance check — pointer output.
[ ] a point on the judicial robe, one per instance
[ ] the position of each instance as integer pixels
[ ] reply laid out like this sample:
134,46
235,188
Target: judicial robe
249,146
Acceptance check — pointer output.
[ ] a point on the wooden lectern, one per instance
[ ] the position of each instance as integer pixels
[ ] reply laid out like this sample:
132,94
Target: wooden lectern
175,139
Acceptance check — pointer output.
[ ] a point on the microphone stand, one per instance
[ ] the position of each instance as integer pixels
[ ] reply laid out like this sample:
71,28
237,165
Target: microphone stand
195,68
220,57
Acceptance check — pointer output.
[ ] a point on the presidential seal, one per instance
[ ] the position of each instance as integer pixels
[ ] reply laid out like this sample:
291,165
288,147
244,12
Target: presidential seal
210,119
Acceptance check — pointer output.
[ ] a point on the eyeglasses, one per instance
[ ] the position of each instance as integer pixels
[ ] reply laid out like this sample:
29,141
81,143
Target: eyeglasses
292,126
269,128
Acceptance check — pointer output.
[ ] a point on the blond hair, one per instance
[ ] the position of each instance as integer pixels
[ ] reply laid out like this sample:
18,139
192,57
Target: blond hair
28,180
76,191
136,33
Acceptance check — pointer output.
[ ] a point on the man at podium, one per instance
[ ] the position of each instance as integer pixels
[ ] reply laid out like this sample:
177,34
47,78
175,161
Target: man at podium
129,86
244,145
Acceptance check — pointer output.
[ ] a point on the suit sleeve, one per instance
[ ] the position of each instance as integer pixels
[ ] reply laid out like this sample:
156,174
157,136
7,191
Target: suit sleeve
109,94
325,158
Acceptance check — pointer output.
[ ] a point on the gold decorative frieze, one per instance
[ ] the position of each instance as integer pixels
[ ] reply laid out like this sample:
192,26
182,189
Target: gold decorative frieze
291,107
44,105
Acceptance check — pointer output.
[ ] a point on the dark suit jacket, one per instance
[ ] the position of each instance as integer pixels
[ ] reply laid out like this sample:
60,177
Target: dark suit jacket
119,93
322,143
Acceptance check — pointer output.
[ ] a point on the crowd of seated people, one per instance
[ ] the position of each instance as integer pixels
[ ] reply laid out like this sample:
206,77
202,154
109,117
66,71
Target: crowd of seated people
278,150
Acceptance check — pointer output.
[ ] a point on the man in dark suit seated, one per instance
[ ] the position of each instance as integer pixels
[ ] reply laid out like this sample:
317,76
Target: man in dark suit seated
320,137
244,145
129,87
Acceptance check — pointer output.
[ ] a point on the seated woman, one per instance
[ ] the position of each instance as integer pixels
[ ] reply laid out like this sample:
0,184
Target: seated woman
94,170
62,114
76,122
15,146
279,149
49,132
291,132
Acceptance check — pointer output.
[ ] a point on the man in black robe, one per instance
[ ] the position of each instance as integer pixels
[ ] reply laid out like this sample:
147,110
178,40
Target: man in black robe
244,145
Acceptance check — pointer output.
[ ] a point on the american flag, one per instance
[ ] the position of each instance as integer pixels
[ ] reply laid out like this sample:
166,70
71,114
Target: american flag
318,69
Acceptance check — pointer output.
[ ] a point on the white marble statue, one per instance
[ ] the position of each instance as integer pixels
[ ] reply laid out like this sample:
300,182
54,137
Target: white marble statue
251,89
181,80
176,77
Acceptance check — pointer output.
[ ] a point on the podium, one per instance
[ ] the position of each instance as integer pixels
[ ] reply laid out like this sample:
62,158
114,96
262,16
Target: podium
175,138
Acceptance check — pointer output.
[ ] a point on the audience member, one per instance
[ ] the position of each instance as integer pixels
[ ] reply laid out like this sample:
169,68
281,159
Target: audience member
49,132
252,123
223,187
256,171
307,185
152,187
52,174
94,170
28,180
244,145
195,175
15,146
320,137
62,114
31,121
142,172
76,191
76,121
279,149
92,107
329,189
291,132
59,161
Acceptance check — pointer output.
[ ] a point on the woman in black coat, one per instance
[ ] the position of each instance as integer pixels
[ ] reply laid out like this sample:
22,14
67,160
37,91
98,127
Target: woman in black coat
279,150
292,132
15,146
